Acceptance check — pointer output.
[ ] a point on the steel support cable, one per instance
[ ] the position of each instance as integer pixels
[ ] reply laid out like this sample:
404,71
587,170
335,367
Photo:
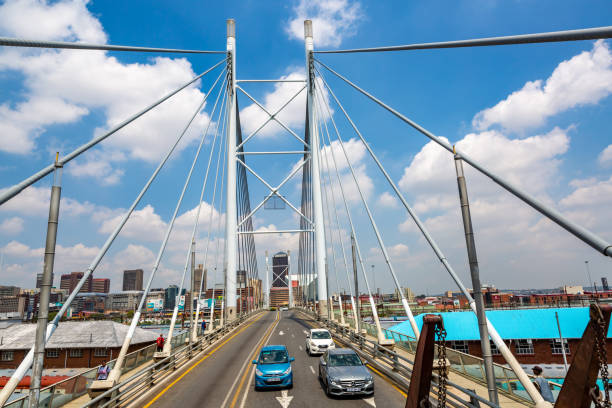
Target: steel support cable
221,208
12,191
20,42
194,328
214,195
328,169
555,36
222,159
116,372
358,250
578,231
355,238
52,326
383,248
330,229
346,268
492,331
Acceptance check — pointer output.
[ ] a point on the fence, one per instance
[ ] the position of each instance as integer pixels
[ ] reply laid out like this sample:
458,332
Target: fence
74,387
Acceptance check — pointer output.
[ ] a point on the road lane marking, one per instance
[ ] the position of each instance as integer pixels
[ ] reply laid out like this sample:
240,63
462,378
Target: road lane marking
252,375
301,349
246,372
293,335
284,399
370,401
313,371
384,377
305,332
199,361
281,333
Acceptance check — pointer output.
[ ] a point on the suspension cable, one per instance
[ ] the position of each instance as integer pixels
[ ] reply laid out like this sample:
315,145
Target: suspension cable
17,188
555,36
20,42
381,244
578,231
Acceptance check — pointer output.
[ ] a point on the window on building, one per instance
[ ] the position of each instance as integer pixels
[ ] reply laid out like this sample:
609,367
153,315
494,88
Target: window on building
494,349
524,346
53,353
555,346
100,352
6,356
76,353
460,345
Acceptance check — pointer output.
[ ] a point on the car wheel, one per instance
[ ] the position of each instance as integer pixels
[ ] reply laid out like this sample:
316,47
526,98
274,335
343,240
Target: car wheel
327,389
290,386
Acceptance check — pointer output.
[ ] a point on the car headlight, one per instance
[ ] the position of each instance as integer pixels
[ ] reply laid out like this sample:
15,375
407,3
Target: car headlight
332,345
334,381
369,380
287,371
258,373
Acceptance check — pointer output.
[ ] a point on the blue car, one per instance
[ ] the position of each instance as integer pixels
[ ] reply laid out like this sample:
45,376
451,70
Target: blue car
273,368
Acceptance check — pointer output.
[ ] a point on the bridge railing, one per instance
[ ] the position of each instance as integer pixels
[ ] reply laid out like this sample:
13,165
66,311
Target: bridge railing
69,389
141,382
464,364
396,366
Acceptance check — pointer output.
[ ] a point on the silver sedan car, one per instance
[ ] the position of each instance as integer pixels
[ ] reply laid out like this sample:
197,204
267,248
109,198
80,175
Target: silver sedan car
343,373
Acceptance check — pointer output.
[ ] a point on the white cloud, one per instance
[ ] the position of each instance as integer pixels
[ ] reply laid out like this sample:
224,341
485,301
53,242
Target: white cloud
144,225
11,226
332,20
387,200
582,80
531,163
605,157
34,202
63,86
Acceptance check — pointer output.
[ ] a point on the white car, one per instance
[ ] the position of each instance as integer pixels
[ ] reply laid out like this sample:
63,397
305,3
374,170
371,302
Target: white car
318,341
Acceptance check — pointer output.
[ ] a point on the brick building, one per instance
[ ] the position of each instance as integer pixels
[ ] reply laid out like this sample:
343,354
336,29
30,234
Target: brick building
531,334
100,285
69,281
73,345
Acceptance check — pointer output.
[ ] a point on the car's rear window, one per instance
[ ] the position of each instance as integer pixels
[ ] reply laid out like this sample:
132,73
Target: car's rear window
343,360
273,357
320,335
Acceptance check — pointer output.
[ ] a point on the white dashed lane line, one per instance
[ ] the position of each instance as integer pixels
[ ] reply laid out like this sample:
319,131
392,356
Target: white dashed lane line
312,369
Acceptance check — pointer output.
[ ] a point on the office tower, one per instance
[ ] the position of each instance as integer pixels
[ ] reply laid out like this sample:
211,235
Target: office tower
132,279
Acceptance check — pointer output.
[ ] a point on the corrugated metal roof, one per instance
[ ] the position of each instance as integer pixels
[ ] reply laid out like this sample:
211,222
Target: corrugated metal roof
511,324
99,334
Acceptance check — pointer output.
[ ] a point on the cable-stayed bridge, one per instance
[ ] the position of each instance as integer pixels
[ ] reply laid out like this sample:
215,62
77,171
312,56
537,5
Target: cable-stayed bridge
213,368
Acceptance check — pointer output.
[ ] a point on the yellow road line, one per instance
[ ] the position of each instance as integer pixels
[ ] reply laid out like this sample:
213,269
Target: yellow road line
384,377
199,361
257,349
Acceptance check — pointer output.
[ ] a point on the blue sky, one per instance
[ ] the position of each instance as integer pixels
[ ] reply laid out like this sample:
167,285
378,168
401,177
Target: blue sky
538,114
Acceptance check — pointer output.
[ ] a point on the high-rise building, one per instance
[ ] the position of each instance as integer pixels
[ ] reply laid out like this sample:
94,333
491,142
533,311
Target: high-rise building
69,282
132,279
101,285
604,283
170,296
200,276
280,268
6,291
39,279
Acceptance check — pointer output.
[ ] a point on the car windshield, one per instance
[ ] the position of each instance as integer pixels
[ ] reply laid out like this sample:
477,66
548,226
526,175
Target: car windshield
273,357
343,360
320,335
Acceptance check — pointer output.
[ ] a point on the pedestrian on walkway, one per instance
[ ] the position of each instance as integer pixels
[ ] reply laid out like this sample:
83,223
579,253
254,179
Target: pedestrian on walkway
160,342
542,385
203,325
103,371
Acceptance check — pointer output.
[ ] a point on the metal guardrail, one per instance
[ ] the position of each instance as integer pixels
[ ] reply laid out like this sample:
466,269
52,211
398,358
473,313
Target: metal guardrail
400,371
467,365
133,387
69,389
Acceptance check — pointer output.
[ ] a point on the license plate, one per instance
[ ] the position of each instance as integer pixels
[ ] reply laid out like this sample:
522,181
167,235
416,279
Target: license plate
353,389
273,380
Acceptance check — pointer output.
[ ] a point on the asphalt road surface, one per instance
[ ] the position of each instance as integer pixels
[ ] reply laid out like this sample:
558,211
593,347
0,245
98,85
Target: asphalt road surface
224,376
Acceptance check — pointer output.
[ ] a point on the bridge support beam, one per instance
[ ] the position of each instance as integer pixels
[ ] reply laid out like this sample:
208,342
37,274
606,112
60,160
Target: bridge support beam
317,202
231,236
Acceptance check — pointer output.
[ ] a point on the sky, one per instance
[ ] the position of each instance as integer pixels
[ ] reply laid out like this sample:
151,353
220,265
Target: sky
536,114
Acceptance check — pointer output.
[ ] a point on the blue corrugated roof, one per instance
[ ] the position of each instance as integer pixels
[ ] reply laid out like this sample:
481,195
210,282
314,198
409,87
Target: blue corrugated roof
511,324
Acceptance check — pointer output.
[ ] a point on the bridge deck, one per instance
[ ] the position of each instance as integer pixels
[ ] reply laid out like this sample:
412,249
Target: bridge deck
224,377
